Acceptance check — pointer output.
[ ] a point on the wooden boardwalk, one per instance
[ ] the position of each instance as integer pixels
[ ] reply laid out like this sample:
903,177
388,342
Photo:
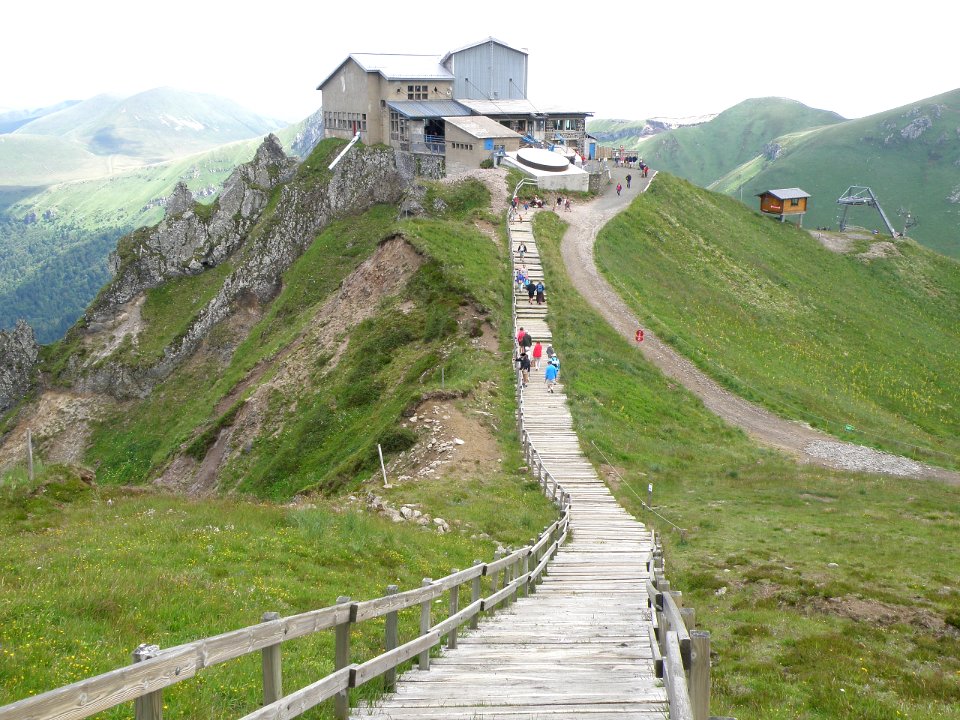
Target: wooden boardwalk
577,648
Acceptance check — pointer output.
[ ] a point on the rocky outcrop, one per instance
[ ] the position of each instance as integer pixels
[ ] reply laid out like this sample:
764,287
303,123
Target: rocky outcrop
312,133
189,240
184,243
18,356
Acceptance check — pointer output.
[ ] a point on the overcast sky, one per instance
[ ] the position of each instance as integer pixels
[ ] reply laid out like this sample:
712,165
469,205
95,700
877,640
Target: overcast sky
633,59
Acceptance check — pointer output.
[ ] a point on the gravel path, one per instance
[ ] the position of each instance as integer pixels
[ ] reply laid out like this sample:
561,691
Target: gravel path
798,439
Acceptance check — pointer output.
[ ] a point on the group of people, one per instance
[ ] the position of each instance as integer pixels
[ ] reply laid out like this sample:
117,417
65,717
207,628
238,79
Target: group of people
528,348
563,202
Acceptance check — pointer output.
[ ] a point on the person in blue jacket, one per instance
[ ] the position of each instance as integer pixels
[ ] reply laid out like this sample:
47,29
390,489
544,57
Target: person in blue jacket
550,375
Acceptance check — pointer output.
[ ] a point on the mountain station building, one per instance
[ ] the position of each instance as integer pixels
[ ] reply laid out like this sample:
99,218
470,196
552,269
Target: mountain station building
452,111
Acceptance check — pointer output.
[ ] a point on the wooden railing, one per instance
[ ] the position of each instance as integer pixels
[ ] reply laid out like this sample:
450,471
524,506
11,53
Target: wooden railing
516,573
681,653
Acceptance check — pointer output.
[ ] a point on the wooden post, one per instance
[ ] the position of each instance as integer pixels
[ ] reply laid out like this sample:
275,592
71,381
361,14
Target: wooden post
30,454
662,618
424,659
149,706
341,701
700,674
391,639
689,616
272,669
523,571
454,609
496,575
474,596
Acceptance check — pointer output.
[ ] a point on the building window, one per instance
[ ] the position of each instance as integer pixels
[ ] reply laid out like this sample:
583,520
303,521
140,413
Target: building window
398,127
417,92
461,146
794,202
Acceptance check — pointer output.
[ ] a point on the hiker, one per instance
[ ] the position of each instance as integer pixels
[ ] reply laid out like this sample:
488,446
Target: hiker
619,188
537,354
531,291
555,362
559,201
540,290
524,363
526,342
629,178
522,250
550,376
639,335
520,334
566,204
550,352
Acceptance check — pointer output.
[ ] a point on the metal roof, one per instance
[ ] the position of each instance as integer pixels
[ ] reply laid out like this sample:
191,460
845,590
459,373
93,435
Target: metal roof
516,107
482,42
397,67
481,127
786,193
428,108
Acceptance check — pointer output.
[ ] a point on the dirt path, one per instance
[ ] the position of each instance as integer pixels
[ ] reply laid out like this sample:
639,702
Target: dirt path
798,439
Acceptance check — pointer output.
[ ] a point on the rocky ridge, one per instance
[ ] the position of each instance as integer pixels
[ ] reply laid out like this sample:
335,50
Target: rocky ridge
187,242
18,355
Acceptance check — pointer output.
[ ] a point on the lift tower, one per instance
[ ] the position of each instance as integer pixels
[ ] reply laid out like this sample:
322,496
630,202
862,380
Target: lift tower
859,195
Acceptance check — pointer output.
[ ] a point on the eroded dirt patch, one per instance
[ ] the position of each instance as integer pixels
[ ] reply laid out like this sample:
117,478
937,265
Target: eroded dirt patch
61,425
881,614
299,366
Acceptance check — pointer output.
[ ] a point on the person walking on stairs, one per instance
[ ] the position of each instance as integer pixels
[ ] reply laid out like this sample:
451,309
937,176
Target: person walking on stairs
537,354
524,363
531,291
550,376
526,342
541,299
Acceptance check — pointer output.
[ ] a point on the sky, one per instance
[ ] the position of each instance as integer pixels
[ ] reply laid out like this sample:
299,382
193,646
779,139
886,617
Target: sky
630,60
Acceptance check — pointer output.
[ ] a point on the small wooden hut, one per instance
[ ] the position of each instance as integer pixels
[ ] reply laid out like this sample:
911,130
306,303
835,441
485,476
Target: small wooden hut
784,202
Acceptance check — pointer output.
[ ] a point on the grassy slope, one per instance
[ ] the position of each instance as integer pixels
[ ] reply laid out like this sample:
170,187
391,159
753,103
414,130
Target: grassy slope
90,574
703,153
917,175
813,335
392,358
233,560
764,531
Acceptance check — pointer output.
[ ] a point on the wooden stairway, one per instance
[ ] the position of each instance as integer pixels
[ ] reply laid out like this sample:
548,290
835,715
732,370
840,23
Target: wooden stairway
577,648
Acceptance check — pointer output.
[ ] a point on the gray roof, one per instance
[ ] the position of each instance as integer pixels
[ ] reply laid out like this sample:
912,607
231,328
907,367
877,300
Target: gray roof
787,193
482,42
428,108
516,107
481,127
397,67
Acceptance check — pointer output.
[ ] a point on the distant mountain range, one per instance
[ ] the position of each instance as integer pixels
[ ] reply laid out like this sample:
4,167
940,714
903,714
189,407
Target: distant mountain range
909,156
76,176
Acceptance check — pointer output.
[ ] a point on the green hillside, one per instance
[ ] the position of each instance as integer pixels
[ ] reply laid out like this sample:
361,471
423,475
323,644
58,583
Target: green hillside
313,420
826,594
908,156
52,268
703,153
43,160
867,350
